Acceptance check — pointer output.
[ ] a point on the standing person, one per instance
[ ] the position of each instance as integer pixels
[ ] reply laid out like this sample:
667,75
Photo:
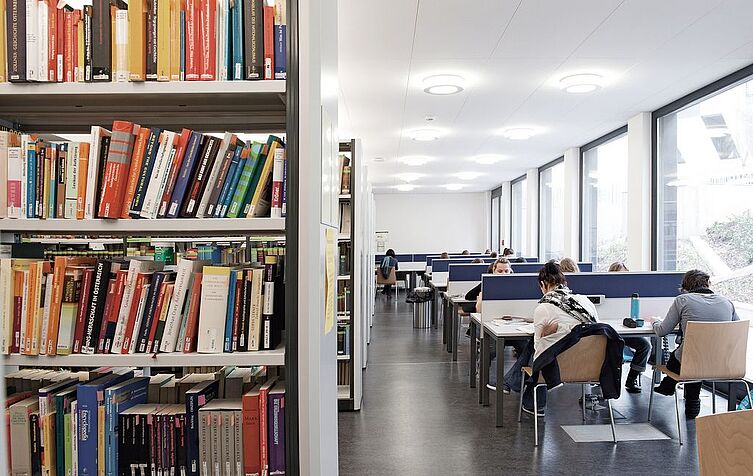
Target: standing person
567,265
696,303
640,346
389,261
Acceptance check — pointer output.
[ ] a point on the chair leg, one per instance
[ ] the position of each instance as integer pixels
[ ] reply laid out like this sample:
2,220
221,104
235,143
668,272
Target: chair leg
611,421
713,397
583,400
677,411
651,394
522,384
535,417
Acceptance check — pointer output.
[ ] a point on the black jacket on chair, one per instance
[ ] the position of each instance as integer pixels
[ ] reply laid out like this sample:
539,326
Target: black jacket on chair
611,370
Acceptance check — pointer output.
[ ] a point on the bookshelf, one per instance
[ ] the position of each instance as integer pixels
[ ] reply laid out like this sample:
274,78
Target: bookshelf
160,226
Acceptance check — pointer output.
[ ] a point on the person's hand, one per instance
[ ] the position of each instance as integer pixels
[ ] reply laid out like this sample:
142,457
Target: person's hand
549,329
650,319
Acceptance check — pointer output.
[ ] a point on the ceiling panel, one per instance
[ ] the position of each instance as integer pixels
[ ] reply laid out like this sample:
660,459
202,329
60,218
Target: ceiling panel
381,30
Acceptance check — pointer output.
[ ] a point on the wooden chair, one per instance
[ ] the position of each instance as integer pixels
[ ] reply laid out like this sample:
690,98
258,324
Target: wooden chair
581,364
724,443
711,351
391,279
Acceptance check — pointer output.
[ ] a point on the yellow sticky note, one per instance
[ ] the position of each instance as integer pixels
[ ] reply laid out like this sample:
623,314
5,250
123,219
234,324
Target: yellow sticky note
329,300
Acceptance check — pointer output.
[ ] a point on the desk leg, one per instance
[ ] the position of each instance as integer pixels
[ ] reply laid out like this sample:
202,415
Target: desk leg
455,332
656,376
473,354
500,395
485,359
412,280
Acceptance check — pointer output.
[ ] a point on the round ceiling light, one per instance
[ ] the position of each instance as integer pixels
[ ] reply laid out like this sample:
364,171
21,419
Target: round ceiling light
454,186
416,160
487,159
424,135
581,83
443,84
409,176
518,133
405,187
468,175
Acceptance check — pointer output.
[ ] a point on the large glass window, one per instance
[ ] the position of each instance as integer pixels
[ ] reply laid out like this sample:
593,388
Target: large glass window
519,224
604,214
551,211
705,191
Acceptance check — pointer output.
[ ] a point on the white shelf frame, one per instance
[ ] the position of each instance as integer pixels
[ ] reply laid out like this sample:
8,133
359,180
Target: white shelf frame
133,227
145,87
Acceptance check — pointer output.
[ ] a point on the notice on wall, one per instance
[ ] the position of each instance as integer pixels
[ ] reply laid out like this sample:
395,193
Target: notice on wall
330,280
382,239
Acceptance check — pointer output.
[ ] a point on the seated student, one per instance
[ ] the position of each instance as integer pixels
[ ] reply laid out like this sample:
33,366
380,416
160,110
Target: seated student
476,261
509,253
389,261
557,313
501,266
696,303
640,346
444,255
493,254
567,265
466,252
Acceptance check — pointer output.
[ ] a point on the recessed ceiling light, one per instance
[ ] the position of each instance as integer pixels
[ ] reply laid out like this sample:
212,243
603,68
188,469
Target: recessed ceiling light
468,175
378,159
443,84
409,176
405,187
518,133
454,186
487,159
416,160
424,135
581,83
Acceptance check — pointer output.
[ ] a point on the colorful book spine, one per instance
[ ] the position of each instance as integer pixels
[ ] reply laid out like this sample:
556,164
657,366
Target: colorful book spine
280,34
277,178
183,181
244,183
237,43
150,155
101,69
232,183
116,169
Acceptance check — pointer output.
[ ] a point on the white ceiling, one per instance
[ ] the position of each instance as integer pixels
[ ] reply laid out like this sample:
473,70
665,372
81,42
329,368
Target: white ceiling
513,53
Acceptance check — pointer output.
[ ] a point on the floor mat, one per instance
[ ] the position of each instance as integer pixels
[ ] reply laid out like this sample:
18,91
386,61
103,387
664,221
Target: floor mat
625,432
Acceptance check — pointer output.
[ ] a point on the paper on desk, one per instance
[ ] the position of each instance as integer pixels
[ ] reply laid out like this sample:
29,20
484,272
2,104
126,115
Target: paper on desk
527,328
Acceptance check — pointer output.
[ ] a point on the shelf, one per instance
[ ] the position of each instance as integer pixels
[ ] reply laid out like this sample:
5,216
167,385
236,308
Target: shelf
343,392
344,278
202,105
74,241
343,237
173,359
345,197
343,357
159,226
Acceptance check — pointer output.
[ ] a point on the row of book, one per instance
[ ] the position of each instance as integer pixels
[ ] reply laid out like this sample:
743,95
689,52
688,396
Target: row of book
343,298
115,422
343,338
141,172
344,250
156,40
345,172
83,305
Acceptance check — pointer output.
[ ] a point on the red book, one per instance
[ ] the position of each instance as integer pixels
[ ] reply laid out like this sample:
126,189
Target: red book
269,42
251,433
142,280
192,324
264,448
116,169
193,52
237,311
83,306
208,39
52,40
69,53
180,152
134,171
106,315
111,320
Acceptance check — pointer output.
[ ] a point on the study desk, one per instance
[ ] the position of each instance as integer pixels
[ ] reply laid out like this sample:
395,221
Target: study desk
499,331
411,269
439,289
453,330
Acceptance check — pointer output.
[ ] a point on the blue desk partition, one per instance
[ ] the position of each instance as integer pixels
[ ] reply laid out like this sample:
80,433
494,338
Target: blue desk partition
611,285
401,258
535,267
443,265
532,259
431,258
467,272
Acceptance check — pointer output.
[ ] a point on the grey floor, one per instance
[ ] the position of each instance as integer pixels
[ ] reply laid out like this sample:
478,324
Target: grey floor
419,417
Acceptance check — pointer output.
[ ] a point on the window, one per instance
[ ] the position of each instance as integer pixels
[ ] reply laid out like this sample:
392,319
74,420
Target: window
519,225
551,210
704,174
494,245
604,200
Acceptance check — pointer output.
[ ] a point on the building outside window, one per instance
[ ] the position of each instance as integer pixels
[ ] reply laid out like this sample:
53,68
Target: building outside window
551,211
519,223
604,202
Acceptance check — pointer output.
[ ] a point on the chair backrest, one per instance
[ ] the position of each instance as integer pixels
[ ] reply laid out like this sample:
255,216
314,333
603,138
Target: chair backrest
714,350
582,362
391,279
724,442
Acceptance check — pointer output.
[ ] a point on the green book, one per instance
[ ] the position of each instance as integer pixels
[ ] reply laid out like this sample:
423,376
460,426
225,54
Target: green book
244,183
67,442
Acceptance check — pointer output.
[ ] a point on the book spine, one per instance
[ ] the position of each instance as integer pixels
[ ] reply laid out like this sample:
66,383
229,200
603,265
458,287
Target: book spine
280,33
175,171
245,312
277,178
112,322
96,307
180,289
191,202
253,39
163,39
15,166
239,195
237,46
82,168
142,334
39,188
60,47
16,18
237,305
131,336
284,206
92,172
151,39
88,416
185,175
160,170
263,430
116,169
192,318
52,40
182,42
269,42
136,40
31,173
134,173
106,315
208,39
269,340
61,172
150,154
232,184
86,285
32,40
276,433
229,311
158,330
175,40
101,41
208,205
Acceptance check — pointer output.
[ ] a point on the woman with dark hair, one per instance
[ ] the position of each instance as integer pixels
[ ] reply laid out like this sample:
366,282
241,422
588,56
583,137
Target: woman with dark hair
465,252
696,303
389,261
618,267
508,252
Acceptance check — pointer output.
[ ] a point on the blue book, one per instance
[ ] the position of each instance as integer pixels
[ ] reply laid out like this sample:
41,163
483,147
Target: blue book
117,399
280,33
236,61
152,300
196,398
186,174
31,179
228,181
228,347
90,396
233,184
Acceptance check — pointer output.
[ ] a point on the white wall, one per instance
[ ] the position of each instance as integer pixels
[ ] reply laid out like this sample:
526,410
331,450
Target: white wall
434,222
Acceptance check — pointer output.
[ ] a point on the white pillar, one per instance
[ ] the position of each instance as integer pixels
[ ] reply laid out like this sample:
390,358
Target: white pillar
532,212
639,193
505,233
572,203
487,227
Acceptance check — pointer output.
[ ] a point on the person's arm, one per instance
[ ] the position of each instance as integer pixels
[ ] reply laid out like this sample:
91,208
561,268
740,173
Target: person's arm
672,319
472,295
542,322
735,317
478,302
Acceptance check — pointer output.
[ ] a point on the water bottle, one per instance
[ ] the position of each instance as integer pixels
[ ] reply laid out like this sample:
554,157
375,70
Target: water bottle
635,306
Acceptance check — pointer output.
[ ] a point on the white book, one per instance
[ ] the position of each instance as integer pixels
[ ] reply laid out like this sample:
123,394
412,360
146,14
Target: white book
43,34
183,285
74,440
121,45
278,168
24,310
254,326
25,138
160,172
71,181
6,305
90,202
200,212
212,312
32,41
46,313
139,318
16,175
135,267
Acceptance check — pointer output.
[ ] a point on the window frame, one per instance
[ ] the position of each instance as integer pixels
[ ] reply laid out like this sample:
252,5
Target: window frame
495,193
513,182
701,94
609,136
542,169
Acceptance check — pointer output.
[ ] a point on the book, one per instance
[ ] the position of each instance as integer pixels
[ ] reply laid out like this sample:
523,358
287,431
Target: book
160,171
264,424
228,190
117,399
122,58
199,180
191,329
196,397
236,63
276,429
231,159
242,189
277,179
163,35
271,322
14,183
184,282
212,312
255,310
96,307
20,427
280,36
137,40
82,308
253,15
228,141
16,28
60,273
207,39
183,180
101,68
116,169
260,203
136,269
269,41
93,173
71,294
145,171
182,143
